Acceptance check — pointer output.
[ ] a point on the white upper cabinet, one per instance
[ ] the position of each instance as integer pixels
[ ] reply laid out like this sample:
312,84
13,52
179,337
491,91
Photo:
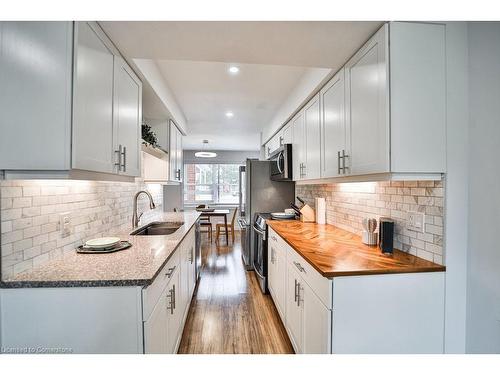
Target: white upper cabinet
311,168
418,97
366,107
35,95
287,137
383,115
333,127
127,118
92,100
298,146
175,151
82,104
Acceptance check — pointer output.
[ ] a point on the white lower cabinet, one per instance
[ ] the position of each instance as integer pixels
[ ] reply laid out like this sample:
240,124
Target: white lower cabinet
163,327
317,320
294,311
387,313
277,274
155,329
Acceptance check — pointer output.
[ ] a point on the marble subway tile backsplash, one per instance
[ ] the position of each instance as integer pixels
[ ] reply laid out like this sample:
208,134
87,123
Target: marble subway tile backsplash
30,212
349,203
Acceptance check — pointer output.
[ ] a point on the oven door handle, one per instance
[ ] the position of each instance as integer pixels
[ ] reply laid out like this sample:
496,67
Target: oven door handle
262,233
257,272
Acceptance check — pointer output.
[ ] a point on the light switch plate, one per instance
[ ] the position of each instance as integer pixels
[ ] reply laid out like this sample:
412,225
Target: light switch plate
65,224
415,221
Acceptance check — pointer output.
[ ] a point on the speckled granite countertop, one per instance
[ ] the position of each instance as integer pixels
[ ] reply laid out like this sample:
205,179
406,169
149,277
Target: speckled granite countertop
136,266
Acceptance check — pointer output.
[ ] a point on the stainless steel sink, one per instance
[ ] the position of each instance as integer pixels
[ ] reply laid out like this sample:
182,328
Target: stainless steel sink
156,229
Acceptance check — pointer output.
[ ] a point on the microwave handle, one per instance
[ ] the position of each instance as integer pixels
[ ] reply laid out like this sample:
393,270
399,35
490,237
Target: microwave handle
279,158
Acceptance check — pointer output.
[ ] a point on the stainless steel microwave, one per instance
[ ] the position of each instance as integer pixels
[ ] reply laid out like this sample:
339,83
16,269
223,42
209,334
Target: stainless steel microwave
281,163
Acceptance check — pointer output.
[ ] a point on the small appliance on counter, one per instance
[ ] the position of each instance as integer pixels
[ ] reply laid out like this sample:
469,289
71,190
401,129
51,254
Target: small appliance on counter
369,237
386,235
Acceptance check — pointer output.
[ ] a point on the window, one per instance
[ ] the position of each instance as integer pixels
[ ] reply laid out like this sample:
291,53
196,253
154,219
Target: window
211,183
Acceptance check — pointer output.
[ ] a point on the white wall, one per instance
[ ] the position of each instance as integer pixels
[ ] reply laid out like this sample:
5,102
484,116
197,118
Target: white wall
483,276
456,186
311,81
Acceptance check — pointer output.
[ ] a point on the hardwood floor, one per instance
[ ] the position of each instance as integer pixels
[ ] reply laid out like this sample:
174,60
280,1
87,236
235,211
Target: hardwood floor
229,313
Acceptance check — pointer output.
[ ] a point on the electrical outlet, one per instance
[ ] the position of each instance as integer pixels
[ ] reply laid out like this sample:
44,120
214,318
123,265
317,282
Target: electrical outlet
415,221
65,224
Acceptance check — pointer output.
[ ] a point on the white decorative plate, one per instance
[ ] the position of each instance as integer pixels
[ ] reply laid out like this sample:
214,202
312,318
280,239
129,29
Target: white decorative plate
102,243
282,215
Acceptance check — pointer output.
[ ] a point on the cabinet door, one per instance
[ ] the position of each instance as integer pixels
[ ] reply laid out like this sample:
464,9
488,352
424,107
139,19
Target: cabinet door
313,139
280,281
155,329
367,107
175,312
298,146
35,95
271,271
317,323
127,117
192,270
333,129
173,152
92,100
294,314
179,155
287,134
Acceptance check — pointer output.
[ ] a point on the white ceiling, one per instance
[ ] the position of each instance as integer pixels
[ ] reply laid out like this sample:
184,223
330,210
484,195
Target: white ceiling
193,58
298,43
206,91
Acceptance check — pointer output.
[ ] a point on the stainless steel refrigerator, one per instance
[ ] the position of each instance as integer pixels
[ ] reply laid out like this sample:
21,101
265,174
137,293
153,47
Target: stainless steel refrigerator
261,195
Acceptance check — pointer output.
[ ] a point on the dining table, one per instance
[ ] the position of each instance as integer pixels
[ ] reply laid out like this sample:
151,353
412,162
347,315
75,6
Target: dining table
217,213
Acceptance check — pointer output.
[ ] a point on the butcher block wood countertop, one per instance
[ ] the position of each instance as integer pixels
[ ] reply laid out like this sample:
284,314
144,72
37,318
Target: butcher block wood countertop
336,252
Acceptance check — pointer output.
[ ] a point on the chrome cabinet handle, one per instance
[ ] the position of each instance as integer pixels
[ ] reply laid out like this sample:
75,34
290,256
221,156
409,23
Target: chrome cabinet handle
171,306
299,266
298,294
120,153
173,287
296,284
338,162
171,271
344,156
124,153
281,141
191,256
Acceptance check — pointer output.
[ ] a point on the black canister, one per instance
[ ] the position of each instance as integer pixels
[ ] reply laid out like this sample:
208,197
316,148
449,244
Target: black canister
386,235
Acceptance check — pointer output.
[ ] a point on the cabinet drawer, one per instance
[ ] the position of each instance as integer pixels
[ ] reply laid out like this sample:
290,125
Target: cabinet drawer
320,285
280,243
152,293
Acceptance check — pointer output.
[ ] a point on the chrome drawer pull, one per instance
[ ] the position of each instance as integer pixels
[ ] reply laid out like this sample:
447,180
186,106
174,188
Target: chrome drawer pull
296,284
299,266
171,271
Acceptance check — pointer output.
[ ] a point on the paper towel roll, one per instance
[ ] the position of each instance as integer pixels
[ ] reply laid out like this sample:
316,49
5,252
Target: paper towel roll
320,210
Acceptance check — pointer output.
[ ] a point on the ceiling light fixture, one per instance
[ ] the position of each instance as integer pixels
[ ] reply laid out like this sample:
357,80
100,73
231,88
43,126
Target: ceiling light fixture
204,153
229,114
234,69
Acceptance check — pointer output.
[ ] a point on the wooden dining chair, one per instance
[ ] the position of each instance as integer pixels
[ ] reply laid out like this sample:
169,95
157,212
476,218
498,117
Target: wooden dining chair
221,228
205,223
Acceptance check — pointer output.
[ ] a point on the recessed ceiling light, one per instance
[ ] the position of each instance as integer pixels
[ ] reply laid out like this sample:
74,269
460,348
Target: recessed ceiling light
234,69
229,114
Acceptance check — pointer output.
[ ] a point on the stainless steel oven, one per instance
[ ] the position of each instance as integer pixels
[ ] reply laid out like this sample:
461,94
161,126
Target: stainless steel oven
281,163
259,230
